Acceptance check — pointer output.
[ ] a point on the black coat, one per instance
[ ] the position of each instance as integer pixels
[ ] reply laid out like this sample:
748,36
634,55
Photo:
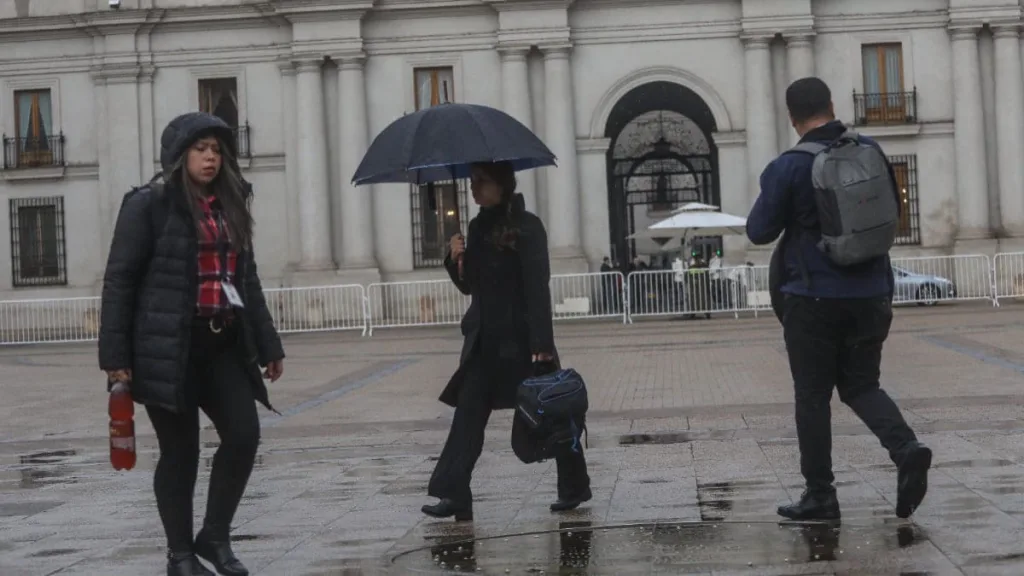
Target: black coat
150,286
509,316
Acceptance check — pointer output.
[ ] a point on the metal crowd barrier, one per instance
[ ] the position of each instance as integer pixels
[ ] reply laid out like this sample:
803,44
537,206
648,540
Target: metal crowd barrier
606,295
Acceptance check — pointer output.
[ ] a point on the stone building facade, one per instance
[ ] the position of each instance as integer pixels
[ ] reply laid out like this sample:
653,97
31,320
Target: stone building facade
646,103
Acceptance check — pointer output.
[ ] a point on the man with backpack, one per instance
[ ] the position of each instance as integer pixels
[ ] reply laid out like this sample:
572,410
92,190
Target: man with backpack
834,196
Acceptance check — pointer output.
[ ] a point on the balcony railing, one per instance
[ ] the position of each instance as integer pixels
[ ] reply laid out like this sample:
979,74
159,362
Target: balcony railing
33,152
242,141
885,109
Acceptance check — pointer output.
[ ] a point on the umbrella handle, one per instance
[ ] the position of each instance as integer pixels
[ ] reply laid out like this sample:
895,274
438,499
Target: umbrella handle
461,274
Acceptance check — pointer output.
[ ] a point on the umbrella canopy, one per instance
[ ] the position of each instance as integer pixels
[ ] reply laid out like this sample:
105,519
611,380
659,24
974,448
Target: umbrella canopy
443,141
697,222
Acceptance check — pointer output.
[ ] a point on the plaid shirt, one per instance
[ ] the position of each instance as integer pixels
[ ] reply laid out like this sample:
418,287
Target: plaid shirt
213,240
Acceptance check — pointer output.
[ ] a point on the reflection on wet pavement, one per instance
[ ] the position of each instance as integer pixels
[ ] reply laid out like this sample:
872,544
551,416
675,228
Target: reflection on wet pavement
687,473
684,548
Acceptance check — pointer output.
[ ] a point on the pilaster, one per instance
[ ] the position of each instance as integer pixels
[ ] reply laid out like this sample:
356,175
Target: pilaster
314,202
563,195
1010,128
515,100
762,138
969,137
356,202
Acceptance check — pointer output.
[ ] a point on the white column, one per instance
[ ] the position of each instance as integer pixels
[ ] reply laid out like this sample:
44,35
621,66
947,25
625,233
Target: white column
314,202
799,64
356,202
761,127
1010,128
515,100
291,159
563,193
594,199
969,137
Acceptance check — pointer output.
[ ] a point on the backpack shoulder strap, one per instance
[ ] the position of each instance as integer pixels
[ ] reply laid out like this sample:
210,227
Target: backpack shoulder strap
812,148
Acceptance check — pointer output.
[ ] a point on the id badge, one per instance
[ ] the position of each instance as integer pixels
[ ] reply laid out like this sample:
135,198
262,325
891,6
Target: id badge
232,295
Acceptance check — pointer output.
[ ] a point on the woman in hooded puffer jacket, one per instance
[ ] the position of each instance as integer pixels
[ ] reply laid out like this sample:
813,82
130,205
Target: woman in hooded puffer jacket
184,323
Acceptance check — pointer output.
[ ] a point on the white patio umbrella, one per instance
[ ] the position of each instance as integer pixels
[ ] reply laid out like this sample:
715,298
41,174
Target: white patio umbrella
693,219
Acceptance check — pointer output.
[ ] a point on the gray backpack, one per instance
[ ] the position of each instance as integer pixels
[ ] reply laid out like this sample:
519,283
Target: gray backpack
856,199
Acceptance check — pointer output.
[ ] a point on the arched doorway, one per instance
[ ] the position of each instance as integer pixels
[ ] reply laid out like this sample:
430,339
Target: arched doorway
661,156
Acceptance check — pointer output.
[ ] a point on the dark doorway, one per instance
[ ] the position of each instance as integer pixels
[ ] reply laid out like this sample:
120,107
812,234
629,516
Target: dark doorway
661,156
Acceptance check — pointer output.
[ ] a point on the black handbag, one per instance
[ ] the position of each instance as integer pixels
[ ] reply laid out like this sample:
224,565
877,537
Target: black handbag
550,414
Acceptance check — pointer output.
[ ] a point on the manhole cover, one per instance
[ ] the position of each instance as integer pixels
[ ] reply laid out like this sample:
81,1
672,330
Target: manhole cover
682,548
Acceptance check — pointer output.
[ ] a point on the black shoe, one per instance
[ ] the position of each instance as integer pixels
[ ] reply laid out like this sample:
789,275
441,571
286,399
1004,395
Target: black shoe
912,483
447,508
218,553
812,507
185,564
571,502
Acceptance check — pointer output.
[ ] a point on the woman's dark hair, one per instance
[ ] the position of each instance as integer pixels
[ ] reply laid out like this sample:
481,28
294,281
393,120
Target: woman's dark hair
506,231
229,189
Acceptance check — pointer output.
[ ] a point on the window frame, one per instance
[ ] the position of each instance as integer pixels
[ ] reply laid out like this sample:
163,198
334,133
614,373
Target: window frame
418,194
886,104
33,158
18,277
904,166
8,122
243,132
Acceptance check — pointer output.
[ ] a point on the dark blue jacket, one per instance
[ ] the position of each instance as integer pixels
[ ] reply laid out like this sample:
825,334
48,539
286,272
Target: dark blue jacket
787,203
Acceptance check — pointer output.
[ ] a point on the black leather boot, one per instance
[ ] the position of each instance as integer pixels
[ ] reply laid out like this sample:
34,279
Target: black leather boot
912,483
447,508
571,501
185,564
812,507
217,551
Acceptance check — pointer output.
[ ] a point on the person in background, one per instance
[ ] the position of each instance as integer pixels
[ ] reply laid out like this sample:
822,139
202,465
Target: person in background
508,331
184,323
835,318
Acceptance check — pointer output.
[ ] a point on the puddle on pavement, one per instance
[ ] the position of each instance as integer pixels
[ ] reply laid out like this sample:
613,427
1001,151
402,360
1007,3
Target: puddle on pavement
54,552
682,548
46,468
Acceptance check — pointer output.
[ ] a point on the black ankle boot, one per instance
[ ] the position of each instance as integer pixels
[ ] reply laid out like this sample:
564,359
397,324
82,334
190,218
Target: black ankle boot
571,501
912,484
217,551
185,564
812,507
447,508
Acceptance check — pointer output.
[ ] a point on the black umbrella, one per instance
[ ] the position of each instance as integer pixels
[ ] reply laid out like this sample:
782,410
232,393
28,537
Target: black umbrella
443,141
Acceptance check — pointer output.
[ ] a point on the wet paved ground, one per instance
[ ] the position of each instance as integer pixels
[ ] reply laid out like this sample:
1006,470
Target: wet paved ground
692,447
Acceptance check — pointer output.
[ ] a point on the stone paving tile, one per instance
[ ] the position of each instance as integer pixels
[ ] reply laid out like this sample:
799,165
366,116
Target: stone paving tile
338,486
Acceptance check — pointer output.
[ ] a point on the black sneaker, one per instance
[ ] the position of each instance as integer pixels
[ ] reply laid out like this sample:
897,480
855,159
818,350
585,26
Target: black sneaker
912,483
812,507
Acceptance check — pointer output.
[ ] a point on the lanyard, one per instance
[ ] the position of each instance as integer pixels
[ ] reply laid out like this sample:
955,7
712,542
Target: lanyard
222,244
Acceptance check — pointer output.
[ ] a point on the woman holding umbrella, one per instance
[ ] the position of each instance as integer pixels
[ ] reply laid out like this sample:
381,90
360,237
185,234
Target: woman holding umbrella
507,332
505,269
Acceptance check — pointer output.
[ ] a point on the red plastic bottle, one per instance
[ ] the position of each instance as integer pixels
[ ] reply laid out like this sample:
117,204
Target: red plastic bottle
122,427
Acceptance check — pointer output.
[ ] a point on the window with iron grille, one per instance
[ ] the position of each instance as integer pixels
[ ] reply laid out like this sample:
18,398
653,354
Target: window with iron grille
438,213
439,210
905,168
37,242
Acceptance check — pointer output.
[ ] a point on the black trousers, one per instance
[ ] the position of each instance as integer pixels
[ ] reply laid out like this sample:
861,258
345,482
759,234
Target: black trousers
454,469
835,343
217,383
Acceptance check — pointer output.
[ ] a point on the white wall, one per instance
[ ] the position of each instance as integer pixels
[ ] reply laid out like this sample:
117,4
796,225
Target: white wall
695,43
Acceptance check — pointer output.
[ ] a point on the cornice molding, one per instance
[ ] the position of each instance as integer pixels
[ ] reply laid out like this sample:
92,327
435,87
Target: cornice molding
655,33
526,5
881,22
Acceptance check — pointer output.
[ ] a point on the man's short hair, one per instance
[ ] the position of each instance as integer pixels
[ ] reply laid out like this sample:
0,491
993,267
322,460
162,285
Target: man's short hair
808,98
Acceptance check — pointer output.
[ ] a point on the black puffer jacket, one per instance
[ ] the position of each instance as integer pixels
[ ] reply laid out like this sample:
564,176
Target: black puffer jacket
150,285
